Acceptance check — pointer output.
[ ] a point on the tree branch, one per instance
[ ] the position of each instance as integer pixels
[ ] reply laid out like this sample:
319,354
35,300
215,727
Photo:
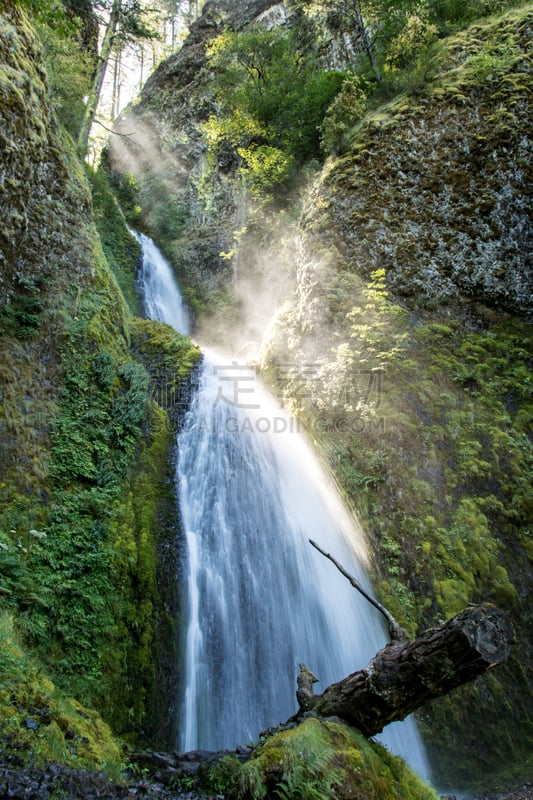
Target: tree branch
115,133
396,631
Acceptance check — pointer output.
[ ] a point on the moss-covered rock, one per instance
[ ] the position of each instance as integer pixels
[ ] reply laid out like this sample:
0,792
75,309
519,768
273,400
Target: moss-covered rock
397,354
39,725
436,187
318,759
120,247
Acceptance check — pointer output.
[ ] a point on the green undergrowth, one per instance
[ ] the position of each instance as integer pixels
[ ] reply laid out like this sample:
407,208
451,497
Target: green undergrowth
88,598
145,610
169,358
80,534
99,608
79,564
121,248
39,725
317,760
102,407
167,353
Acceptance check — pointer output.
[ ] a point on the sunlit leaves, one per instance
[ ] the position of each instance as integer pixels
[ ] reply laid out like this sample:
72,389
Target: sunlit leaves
272,97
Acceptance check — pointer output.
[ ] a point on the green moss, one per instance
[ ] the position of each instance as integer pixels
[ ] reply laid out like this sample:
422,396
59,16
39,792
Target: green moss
169,357
120,247
139,530
437,460
444,496
40,724
87,504
318,760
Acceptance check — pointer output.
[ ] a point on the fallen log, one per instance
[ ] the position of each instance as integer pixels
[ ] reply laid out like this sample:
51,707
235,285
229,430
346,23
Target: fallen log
406,674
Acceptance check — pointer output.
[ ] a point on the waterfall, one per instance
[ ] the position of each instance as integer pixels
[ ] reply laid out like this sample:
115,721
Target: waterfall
159,288
261,600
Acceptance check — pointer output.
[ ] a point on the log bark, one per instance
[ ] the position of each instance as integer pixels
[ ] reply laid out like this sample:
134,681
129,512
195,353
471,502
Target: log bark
404,675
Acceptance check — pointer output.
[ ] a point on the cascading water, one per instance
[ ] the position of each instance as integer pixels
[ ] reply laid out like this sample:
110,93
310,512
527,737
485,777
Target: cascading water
260,598
159,288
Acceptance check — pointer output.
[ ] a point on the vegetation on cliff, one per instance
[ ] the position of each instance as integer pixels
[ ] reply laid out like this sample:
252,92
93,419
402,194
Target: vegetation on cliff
420,396
86,500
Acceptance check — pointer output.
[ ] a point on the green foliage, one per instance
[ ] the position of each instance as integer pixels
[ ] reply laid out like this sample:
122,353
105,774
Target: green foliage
22,315
318,760
103,404
273,97
98,428
120,247
453,14
343,114
126,190
18,587
159,209
84,584
40,725
410,44
51,13
69,70
265,168
168,355
447,501
376,340
492,61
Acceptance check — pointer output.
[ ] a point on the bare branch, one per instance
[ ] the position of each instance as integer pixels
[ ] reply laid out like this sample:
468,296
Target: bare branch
116,133
396,631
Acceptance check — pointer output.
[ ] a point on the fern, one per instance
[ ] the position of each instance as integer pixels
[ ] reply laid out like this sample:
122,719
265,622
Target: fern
309,777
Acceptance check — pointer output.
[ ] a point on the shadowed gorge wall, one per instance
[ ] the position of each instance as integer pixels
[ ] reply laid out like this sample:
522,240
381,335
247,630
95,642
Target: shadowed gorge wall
86,501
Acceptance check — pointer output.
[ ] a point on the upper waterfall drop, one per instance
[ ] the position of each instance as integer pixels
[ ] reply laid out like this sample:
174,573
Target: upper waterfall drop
260,598
159,287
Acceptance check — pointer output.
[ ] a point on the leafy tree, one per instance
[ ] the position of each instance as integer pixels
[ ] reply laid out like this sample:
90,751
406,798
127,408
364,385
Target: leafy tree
273,97
346,110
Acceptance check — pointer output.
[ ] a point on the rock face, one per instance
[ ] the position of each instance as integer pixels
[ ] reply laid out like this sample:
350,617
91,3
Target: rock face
454,155
41,241
87,505
35,240
437,189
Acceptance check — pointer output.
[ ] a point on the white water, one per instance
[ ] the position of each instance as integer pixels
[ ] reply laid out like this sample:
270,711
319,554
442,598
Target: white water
260,598
159,287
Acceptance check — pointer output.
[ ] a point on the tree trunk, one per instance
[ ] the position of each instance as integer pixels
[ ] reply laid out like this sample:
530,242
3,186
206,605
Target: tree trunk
365,39
117,85
96,89
405,675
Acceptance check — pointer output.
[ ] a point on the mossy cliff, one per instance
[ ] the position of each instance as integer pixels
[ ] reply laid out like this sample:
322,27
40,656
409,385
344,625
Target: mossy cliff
406,351
87,512
404,341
